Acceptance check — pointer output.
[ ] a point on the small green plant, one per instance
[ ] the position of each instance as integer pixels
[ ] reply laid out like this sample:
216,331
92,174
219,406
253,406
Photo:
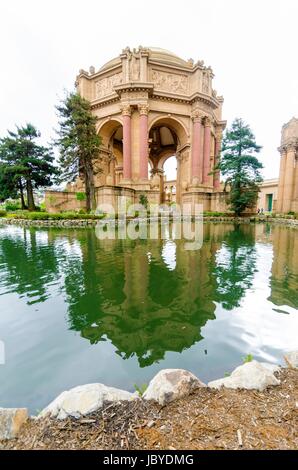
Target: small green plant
227,374
247,358
141,389
42,206
2,213
11,206
81,196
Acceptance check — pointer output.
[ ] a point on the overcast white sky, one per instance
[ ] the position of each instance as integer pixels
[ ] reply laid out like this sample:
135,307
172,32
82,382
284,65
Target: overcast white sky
252,47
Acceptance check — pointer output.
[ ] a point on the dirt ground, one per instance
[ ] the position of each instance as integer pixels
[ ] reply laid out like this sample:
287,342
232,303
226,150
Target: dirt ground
207,419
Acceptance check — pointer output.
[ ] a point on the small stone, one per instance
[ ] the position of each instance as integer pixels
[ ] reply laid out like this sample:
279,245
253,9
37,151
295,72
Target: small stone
150,424
11,421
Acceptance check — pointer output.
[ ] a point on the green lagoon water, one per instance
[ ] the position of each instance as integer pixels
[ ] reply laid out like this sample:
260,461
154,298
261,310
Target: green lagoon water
77,310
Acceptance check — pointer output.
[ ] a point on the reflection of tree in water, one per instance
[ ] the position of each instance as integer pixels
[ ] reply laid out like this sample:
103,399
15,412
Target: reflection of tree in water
235,266
30,263
140,306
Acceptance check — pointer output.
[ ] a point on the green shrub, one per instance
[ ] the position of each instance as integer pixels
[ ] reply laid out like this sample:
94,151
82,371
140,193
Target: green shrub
3,213
81,196
11,206
42,206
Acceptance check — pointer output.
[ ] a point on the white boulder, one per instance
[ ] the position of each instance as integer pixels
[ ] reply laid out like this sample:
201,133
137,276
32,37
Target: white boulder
291,359
272,367
82,400
251,375
11,420
170,384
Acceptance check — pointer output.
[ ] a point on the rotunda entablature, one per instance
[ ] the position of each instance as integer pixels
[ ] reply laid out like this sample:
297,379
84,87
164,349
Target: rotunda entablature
153,73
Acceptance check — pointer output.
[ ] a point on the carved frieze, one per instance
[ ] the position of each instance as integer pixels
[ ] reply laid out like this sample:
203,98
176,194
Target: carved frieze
105,86
172,82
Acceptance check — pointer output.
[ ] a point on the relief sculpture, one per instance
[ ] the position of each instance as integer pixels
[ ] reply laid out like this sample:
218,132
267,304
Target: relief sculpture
106,85
176,83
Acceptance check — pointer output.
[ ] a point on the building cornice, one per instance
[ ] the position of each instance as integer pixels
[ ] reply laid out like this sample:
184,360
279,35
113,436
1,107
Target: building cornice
134,86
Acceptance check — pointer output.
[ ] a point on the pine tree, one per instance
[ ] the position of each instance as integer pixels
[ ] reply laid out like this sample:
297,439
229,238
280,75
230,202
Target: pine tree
240,166
8,187
79,143
26,164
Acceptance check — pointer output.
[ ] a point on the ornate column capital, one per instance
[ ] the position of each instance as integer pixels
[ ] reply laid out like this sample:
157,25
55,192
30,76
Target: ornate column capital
282,150
292,147
197,116
207,121
126,110
143,109
218,134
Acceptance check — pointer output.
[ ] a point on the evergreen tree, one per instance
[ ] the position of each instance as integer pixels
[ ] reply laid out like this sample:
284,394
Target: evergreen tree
78,143
26,164
240,166
8,188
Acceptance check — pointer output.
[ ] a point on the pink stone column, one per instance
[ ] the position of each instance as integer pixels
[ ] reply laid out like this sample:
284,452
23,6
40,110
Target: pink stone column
206,151
126,113
216,180
196,157
143,164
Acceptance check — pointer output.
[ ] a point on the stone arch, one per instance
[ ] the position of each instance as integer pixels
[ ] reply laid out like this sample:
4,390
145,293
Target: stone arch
167,135
173,123
111,132
164,158
107,128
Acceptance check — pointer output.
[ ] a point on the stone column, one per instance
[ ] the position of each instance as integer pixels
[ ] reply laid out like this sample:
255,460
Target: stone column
206,151
143,163
126,113
289,178
216,178
281,181
112,168
196,154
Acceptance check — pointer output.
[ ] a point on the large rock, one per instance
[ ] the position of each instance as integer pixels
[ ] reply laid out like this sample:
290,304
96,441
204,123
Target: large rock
11,420
272,367
170,384
251,375
291,359
82,400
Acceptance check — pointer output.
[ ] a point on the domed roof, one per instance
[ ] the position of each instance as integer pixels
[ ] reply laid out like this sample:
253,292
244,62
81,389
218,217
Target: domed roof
163,55
157,54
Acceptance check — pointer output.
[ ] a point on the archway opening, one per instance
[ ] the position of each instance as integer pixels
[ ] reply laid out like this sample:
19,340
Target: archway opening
164,143
112,149
170,179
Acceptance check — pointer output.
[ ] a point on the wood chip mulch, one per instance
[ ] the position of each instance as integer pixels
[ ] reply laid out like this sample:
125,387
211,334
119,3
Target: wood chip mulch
207,419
